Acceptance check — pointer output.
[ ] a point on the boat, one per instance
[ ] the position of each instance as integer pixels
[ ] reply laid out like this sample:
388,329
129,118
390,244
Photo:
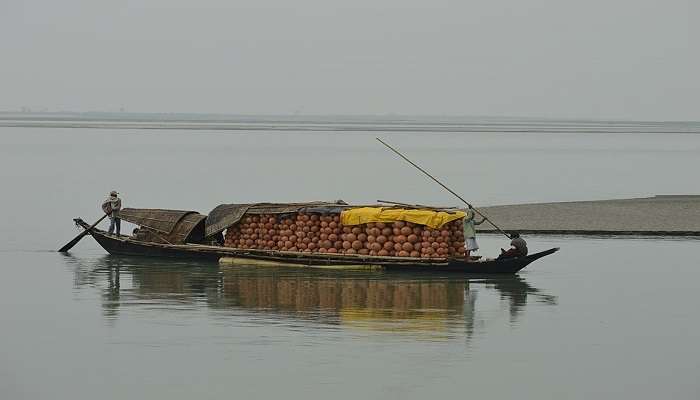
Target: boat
188,235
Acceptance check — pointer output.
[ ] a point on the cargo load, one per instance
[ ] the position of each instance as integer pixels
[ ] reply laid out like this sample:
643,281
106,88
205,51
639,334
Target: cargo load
372,231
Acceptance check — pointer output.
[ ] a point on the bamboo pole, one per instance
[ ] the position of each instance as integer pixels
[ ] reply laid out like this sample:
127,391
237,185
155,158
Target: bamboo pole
415,205
444,186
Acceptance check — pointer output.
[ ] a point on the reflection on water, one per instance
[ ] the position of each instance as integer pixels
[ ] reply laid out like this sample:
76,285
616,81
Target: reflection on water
440,306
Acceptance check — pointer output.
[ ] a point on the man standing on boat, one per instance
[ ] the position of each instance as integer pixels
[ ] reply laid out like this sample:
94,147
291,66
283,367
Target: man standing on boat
111,206
470,233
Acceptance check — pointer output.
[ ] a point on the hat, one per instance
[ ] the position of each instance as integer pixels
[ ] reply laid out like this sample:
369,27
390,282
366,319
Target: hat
113,193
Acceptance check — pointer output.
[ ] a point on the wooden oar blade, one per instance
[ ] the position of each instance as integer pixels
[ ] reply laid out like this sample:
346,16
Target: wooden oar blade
73,242
82,234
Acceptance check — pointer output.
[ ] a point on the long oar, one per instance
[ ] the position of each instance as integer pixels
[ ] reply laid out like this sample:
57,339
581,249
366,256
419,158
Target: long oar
82,234
443,185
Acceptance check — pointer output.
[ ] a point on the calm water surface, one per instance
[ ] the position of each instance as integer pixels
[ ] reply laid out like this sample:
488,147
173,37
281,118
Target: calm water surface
602,318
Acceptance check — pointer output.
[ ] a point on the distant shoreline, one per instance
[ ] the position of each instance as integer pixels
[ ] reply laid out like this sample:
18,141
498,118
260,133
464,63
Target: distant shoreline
195,116
349,123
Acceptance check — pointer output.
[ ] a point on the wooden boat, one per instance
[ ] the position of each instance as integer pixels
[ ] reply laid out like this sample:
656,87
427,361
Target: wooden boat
179,234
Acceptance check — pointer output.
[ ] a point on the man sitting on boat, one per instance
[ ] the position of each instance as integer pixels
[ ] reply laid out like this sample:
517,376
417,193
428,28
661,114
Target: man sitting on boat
518,247
111,206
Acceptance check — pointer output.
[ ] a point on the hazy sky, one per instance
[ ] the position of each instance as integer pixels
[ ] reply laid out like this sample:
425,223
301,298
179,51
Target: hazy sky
626,59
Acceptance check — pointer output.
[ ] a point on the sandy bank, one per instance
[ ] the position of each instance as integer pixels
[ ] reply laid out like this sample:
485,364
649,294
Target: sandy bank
660,215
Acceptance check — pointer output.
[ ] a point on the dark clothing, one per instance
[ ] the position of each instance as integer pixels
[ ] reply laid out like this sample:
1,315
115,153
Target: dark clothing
114,222
510,253
520,245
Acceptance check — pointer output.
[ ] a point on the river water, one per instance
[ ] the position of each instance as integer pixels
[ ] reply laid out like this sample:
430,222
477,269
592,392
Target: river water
603,317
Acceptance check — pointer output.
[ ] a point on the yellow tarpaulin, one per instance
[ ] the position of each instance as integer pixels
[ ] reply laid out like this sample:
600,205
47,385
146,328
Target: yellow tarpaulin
433,219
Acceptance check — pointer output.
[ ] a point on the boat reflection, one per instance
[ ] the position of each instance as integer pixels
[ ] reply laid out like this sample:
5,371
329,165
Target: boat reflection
376,301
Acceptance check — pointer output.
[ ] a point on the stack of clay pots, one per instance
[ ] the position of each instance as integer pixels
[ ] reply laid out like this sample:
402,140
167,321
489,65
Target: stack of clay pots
317,233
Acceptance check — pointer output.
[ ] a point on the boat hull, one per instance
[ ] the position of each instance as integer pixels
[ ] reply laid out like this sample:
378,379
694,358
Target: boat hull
124,245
